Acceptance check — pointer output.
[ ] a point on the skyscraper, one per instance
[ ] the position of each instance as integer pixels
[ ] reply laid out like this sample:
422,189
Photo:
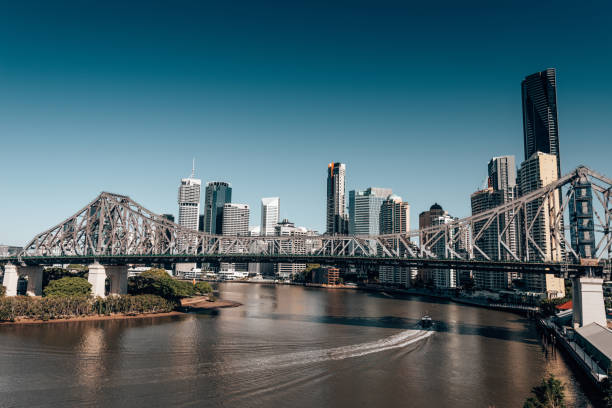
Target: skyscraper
270,210
189,211
488,241
540,124
336,221
189,202
364,210
236,222
501,189
287,228
217,194
394,216
536,172
236,219
395,219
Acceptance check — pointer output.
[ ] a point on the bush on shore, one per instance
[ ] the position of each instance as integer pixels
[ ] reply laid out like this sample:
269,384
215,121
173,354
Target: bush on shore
68,287
158,282
2,291
47,308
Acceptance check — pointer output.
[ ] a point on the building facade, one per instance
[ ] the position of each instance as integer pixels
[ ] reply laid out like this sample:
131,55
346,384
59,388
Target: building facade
336,219
395,219
536,172
287,228
270,211
364,210
235,222
218,193
189,211
540,122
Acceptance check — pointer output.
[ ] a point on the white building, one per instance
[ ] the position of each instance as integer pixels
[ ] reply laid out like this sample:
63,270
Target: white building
189,212
270,210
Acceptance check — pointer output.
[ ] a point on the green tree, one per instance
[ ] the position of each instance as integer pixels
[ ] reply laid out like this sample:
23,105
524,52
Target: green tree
203,288
549,394
158,282
68,287
2,291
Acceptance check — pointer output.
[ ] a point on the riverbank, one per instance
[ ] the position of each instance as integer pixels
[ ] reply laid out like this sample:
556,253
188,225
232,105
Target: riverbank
202,303
92,318
187,305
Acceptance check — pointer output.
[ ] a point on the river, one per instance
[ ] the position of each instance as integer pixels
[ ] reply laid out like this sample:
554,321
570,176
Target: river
287,346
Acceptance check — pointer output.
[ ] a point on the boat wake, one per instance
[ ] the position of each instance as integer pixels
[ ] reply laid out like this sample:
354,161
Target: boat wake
395,341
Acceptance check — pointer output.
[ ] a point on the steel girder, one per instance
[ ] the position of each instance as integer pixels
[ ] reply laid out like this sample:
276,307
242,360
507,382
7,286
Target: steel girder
114,225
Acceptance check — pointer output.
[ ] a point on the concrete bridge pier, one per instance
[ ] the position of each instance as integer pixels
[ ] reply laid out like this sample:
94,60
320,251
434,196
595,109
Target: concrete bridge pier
97,278
588,301
118,279
35,276
117,275
12,274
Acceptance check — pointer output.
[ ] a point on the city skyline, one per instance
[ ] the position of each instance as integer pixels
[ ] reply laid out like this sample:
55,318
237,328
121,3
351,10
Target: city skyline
83,127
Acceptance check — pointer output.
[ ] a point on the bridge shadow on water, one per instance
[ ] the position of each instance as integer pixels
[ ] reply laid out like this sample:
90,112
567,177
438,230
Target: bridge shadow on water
522,335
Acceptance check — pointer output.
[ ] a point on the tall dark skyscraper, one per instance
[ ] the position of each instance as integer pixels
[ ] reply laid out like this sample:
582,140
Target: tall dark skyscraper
337,220
218,193
540,124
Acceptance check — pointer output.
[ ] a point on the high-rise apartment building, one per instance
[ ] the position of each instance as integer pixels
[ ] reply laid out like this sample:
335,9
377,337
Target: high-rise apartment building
218,193
501,189
538,171
364,210
336,222
540,123
394,215
270,210
395,219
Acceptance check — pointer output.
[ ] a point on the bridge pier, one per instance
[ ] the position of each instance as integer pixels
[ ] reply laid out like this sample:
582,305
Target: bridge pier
588,301
12,274
118,279
35,276
97,278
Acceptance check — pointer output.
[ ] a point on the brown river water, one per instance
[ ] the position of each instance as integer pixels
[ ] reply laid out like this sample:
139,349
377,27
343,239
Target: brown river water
287,346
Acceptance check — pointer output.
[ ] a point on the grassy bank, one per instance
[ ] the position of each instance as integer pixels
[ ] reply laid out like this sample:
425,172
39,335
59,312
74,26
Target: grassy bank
48,308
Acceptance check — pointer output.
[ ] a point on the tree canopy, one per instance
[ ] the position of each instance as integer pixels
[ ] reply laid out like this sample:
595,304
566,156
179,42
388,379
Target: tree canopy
68,287
549,394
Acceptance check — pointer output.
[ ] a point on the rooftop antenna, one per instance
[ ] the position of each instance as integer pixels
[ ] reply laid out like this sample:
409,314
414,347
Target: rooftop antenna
193,168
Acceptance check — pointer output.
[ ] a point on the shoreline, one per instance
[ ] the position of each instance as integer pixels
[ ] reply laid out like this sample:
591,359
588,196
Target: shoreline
511,308
194,306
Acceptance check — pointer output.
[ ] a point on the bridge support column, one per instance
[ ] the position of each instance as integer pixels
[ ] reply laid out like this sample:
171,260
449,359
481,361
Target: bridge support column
118,279
35,276
11,276
588,301
97,278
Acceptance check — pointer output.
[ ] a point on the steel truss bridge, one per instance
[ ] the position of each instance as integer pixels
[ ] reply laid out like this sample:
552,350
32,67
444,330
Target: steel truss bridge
115,230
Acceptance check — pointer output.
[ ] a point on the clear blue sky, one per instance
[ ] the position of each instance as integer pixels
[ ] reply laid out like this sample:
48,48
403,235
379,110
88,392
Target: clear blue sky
120,95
